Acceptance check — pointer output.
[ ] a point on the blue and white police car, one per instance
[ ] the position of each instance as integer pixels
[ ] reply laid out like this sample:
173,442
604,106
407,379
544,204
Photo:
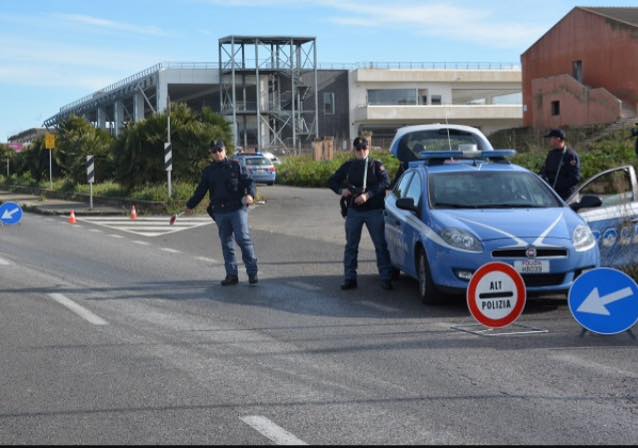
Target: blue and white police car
460,204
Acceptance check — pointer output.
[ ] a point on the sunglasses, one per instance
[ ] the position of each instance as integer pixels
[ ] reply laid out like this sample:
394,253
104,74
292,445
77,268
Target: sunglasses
214,150
361,148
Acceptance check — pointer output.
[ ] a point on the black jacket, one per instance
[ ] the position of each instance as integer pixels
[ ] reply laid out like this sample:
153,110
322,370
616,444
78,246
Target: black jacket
568,174
350,176
226,184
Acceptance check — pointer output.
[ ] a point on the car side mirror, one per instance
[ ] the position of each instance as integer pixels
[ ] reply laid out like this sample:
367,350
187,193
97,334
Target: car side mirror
588,201
406,204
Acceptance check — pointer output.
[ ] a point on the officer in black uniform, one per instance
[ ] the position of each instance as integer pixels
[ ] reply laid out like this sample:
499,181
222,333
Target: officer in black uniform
562,165
231,191
362,183
634,133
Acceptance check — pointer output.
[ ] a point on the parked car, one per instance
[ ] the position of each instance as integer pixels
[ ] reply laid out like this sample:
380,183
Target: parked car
270,156
615,222
258,167
454,210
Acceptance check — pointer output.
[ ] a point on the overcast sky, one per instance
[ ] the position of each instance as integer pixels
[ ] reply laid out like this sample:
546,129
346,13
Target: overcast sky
53,52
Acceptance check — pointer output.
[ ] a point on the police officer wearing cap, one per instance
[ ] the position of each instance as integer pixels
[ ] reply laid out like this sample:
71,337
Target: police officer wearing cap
562,165
231,191
362,183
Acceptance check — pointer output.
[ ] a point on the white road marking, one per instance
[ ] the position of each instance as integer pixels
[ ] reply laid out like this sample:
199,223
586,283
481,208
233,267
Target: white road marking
78,309
304,285
172,251
113,235
4,262
141,243
95,230
207,260
150,226
376,306
271,431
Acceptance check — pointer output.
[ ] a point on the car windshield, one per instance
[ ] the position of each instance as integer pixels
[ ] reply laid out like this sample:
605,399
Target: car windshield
437,140
257,161
490,190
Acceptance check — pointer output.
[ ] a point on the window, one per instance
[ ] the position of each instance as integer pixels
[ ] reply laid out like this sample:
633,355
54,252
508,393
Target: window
612,188
328,103
436,100
402,186
578,70
555,108
393,97
415,190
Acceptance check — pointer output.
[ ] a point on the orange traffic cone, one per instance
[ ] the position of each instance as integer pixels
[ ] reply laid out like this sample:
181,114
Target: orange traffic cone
72,219
133,214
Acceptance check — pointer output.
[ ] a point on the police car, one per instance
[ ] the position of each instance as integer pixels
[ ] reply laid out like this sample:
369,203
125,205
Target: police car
615,221
461,204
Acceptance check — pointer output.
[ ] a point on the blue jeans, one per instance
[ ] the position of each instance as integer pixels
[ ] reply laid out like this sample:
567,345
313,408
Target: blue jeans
236,223
374,221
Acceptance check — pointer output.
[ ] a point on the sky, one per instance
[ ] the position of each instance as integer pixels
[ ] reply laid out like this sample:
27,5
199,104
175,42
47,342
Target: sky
53,52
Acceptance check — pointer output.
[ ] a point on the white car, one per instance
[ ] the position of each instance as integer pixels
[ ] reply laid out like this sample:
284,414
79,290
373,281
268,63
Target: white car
270,156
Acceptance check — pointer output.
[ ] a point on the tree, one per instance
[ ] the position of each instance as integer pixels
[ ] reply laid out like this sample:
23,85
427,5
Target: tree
139,153
76,139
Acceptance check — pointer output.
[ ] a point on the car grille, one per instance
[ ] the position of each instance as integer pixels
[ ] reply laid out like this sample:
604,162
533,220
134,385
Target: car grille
522,253
543,279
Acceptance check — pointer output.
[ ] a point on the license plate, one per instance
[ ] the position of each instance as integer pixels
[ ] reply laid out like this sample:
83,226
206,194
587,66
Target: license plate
532,266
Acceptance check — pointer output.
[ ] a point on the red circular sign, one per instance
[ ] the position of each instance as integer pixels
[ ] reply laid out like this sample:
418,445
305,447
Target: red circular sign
496,295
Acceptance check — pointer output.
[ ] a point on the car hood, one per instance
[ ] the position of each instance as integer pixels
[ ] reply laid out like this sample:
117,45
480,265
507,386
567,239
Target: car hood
522,226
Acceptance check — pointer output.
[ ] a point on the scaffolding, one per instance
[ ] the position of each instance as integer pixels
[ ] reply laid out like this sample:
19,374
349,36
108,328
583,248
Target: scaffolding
273,96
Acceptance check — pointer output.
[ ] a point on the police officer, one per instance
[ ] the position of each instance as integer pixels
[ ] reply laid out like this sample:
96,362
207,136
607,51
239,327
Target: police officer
634,133
562,165
231,191
362,183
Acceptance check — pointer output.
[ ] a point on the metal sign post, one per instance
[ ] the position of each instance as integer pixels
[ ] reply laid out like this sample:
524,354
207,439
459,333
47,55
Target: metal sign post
49,144
90,174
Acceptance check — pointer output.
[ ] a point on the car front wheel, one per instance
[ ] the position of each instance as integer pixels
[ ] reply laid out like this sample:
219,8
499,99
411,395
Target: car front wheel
427,290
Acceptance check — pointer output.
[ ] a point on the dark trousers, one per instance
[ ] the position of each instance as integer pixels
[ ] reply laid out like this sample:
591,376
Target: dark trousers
236,223
375,223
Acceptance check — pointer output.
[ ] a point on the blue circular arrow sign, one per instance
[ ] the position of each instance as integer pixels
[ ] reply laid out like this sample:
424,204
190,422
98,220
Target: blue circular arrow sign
604,301
10,213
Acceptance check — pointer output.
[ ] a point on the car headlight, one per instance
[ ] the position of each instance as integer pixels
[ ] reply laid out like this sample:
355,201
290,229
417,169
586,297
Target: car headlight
583,238
461,239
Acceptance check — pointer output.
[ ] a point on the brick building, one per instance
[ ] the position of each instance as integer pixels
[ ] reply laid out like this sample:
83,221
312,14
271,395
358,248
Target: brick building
583,71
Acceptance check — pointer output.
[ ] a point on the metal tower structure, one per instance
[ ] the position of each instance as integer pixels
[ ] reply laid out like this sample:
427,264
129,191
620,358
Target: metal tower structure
274,95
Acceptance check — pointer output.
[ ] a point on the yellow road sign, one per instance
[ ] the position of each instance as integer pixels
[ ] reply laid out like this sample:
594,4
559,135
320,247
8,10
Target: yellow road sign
49,141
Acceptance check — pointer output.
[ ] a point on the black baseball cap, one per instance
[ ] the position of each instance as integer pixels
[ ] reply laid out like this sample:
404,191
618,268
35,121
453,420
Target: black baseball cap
558,133
360,143
217,145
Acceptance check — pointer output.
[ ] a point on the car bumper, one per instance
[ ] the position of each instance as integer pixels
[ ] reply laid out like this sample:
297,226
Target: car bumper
448,267
264,178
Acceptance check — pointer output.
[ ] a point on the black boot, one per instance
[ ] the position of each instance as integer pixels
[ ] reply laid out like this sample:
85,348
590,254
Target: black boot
387,285
253,279
230,280
349,284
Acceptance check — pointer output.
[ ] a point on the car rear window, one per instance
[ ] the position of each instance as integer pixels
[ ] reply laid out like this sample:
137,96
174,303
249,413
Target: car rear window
258,161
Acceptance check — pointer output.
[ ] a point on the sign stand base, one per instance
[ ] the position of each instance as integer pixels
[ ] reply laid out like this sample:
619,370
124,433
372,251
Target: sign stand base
584,331
513,329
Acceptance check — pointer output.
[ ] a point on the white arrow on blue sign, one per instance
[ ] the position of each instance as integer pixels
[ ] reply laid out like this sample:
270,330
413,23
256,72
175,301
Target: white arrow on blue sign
10,213
604,301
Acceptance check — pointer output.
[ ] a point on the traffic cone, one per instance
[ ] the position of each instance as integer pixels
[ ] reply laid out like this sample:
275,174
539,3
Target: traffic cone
133,214
72,219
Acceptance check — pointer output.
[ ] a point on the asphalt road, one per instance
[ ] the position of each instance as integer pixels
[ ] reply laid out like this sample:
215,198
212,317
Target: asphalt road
109,337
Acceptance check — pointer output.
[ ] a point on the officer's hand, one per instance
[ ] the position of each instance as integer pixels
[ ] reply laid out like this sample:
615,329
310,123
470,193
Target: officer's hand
248,200
188,211
361,199
346,193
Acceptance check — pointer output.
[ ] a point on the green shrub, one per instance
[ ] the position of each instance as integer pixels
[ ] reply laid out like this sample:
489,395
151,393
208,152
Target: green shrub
303,171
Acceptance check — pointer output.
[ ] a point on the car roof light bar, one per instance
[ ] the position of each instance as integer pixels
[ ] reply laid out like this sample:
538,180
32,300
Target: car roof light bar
498,154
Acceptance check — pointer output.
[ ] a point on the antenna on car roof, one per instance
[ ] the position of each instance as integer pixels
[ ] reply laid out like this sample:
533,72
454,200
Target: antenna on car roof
447,127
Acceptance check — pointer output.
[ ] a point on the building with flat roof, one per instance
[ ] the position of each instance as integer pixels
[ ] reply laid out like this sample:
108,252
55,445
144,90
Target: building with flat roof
583,70
276,95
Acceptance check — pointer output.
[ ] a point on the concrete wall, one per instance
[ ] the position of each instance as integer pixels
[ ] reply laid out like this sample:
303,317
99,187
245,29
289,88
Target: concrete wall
579,105
607,49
